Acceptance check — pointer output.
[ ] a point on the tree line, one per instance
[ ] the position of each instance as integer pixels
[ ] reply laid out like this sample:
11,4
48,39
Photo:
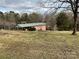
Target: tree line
13,17
60,21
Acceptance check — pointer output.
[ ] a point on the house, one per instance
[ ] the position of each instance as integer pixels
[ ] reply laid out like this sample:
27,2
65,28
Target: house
32,26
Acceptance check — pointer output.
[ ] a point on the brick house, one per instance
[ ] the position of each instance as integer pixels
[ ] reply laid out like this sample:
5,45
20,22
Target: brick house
32,26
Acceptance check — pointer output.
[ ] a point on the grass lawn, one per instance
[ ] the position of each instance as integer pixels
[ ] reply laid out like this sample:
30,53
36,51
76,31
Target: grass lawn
38,45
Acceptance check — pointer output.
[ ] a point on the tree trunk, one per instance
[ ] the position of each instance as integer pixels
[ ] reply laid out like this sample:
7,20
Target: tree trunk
75,24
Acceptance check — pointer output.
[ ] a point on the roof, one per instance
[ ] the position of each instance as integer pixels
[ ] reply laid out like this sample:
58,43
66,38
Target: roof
30,24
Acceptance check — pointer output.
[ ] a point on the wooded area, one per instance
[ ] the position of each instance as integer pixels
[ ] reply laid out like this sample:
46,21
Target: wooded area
60,21
65,5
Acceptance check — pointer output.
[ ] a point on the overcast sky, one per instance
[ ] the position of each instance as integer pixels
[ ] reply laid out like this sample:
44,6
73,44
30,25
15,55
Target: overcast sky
20,5
23,6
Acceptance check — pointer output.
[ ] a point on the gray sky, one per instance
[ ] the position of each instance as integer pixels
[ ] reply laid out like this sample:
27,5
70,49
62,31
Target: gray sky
23,6
20,6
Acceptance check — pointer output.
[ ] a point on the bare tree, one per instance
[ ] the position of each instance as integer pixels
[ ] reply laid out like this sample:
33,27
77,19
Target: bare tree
72,5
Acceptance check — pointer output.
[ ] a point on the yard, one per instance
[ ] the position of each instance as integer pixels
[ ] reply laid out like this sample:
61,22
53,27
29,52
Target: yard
38,45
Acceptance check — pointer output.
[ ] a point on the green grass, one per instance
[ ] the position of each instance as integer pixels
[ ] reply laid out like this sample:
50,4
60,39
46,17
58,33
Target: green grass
38,45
